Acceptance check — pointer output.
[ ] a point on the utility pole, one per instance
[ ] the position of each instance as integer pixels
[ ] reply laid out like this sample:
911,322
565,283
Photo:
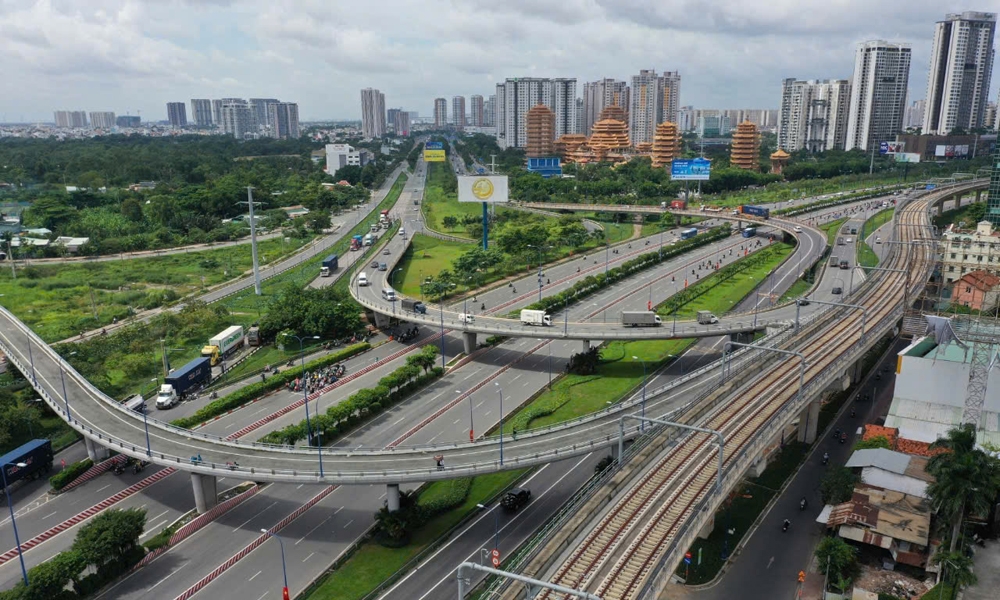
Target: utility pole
10,255
253,241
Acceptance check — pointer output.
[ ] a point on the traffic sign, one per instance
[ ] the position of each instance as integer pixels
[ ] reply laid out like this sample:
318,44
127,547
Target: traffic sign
495,561
495,553
687,558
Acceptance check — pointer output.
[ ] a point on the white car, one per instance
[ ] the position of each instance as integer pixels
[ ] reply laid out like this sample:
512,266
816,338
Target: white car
466,318
798,229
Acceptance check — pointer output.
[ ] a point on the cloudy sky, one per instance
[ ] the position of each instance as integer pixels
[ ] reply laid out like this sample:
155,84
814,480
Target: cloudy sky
136,55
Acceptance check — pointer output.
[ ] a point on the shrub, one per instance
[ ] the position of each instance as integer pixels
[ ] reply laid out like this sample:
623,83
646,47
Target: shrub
71,472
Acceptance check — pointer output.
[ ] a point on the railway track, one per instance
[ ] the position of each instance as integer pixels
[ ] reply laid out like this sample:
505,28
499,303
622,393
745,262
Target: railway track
641,525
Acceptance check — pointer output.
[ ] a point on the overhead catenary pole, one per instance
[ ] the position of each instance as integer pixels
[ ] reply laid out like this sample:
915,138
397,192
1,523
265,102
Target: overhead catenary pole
253,241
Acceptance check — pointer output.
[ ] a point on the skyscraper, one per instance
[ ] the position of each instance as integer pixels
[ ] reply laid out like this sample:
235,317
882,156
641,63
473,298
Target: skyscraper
458,112
71,118
476,116
599,94
490,111
237,119
217,113
993,195
516,95
646,109
878,93
282,120
914,116
440,113
671,82
813,114
958,83
261,115
102,120
372,113
401,122
177,114
201,110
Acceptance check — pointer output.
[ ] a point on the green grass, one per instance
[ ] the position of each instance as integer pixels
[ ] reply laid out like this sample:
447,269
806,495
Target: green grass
372,564
832,230
426,257
798,289
791,190
267,355
60,300
866,255
247,301
439,204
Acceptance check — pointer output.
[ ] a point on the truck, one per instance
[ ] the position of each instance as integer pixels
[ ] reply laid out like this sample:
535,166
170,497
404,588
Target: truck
705,317
226,342
383,217
749,232
36,456
369,239
535,317
755,211
414,306
640,318
181,381
356,242
678,204
689,233
253,336
329,266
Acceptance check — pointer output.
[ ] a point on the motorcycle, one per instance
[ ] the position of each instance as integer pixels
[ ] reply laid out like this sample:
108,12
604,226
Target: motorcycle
843,437
803,503
138,466
119,468
786,525
826,458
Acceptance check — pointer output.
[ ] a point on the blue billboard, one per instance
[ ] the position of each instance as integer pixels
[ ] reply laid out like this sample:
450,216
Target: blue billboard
434,146
695,169
546,167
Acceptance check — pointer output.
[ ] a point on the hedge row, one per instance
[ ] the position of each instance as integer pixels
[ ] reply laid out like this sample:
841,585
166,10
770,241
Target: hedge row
365,403
595,283
434,501
255,390
795,210
71,472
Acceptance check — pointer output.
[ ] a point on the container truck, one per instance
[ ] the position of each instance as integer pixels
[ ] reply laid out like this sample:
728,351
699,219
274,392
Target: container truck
229,340
414,306
356,242
36,456
642,318
253,336
535,317
689,233
184,380
369,239
678,204
755,211
329,266
705,317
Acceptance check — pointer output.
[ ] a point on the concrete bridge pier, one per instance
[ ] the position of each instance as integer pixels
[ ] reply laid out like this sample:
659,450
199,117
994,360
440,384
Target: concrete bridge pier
392,496
469,341
585,347
205,492
382,321
742,337
95,451
940,207
809,422
707,528
979,193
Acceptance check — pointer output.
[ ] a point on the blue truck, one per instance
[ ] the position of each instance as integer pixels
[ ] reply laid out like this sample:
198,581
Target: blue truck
689,233
755,211
36,456
329,266
186,379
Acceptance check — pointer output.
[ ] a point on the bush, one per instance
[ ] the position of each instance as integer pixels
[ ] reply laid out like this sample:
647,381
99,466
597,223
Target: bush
444,495
255,390
838,485
162,538
71,472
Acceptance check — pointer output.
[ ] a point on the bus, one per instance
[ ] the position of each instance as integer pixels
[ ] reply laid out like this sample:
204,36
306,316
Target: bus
749,232
689,233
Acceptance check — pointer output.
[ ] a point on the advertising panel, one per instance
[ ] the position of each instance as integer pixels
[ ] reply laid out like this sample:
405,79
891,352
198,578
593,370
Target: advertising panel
908,157
695,169
434,146
890,147
939,150
433,155
482,188
962,150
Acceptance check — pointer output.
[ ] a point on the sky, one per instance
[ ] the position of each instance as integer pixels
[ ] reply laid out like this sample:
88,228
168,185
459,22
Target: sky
134,56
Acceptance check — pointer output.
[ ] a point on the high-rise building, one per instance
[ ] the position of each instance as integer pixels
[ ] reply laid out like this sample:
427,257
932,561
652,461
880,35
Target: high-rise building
400,122
490,111
579,116
713,124
237,120
458,112
261,116
745,149
102,120
653,100
372,113
813,114
440,113
516,95
958,84
914,116
282,120
878,93
993,196
71,118
541,131
217,113
686,120
476,116
671,96
129,121
177,114
597,95
201,110
990,116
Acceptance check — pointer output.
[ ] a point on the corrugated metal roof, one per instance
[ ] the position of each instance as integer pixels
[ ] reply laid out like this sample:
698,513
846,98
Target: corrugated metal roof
895,462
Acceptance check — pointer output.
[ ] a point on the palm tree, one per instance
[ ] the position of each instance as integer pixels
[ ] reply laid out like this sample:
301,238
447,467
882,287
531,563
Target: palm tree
966,479
956,568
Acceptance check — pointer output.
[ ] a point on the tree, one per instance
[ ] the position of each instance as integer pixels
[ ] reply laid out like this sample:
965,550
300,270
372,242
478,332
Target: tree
966,478
49,579
449,222
878,441
132,210
111,537
838,485
50,212
956,568
841,558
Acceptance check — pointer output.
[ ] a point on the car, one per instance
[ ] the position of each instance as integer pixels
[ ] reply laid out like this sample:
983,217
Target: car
878,240
834,262
374,264
515,498
803,301
383,267
402,231
798,229
849,241
837,291
385,252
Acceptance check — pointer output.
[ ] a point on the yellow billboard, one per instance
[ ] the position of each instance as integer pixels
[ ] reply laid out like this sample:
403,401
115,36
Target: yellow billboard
433,155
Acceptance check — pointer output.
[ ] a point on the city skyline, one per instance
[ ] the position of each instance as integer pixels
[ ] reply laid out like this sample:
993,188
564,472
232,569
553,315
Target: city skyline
53,45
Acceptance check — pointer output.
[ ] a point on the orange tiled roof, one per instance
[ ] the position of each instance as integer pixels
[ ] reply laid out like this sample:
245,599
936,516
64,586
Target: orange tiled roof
917,448
981,280
890,433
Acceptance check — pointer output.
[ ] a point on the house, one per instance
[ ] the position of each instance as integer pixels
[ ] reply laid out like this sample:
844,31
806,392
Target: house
894,521
72,244
295,211
892,470
977,290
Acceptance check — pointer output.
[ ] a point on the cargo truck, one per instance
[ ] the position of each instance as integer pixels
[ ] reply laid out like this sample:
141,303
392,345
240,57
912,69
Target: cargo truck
224,344
678,204
253,336
535,317
755,211
369,239
383,217
414,306
329,266
356,242
644,318
183,381
36,456
705,317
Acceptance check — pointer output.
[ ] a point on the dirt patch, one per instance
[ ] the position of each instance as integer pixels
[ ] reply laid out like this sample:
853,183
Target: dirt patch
892,582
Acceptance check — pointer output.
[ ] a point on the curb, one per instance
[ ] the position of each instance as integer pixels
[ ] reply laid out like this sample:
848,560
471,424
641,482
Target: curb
101,467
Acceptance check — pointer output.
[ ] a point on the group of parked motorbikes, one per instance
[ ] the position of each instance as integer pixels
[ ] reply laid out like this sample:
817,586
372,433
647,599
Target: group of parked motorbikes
318,380
123,464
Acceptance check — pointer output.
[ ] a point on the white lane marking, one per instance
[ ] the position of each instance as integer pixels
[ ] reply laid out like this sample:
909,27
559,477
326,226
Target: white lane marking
167,577
313,529
104,488
159,515
240,526
456,421
399,420
255,575
311,554
338,510
348,523
53,513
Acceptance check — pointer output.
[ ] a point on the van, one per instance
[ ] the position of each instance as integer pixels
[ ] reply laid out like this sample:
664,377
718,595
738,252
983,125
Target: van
466,318
840,241
136,403
363,279
389,294
844,265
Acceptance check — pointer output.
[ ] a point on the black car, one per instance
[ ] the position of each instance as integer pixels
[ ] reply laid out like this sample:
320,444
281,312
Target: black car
515,498
803,301
374,264
837,291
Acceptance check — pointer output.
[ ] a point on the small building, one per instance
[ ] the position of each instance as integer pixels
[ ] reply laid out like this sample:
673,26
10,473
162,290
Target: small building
72,244
894,521
295,211
977,290
963,250
546,167
892,470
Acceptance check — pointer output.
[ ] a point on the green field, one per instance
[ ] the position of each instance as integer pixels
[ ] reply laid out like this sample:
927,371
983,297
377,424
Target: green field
60,300
832,230
866,254
800,287
426,257
791,190
439,204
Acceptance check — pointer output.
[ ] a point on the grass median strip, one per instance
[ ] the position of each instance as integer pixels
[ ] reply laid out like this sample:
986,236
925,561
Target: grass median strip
866,255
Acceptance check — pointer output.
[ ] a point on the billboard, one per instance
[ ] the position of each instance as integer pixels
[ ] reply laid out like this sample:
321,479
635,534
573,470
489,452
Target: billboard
890,147
695,169
434,146
482,188
908,157
433,155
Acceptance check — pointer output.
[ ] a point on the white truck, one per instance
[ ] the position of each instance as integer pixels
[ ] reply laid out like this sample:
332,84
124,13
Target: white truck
167,397
535,317
705,317
466,318
225,343
640,318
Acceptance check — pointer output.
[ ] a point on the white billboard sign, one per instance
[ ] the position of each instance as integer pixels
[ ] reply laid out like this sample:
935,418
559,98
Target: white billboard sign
482,188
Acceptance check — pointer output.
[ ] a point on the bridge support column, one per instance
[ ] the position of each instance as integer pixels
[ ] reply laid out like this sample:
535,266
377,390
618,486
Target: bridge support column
757,469
856,372
382,321
707,528
742,337
809,422
586,346
95,451
205,494
469,341
392,496
979,194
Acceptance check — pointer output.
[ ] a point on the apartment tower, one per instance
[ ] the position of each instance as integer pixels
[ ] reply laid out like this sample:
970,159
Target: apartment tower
440,113
878,93
813,114
372,113
458,112
958,83
177,114
476,116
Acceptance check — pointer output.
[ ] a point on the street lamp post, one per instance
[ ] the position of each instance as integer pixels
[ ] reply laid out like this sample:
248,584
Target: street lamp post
500,389
10,506
145,420
62,379
284,570
305,396
642,424
496,527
